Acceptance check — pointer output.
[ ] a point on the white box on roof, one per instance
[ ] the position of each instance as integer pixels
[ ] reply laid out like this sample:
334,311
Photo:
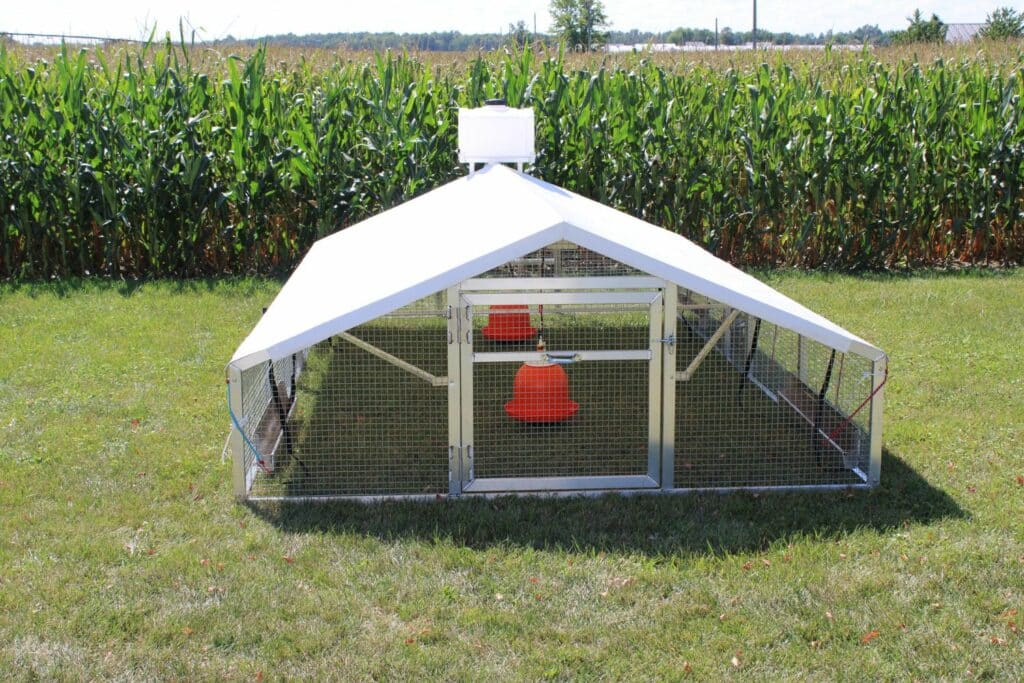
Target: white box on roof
496,134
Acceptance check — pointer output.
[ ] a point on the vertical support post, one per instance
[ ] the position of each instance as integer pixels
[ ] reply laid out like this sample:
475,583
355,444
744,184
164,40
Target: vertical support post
748,362
819,410
878,370
465,341
668,387
238,468
280,403
801,359
655,381
295,376
454,394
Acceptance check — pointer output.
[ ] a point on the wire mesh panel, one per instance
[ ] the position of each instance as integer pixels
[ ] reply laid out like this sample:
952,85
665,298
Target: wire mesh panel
639,384
562,259
766,407
598,427
370,415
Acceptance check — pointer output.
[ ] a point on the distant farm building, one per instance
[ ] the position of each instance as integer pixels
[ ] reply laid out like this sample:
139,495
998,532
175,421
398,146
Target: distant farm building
962,33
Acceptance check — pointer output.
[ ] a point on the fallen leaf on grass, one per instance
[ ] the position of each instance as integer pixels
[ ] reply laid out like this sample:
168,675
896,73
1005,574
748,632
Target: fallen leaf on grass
815,644
747,566
972,489
135,423
687,669
996,640
735,661
868,637
187,630
828,615
288,558
499,597
1020,480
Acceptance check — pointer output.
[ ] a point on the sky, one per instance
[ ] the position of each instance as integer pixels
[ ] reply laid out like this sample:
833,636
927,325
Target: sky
212,19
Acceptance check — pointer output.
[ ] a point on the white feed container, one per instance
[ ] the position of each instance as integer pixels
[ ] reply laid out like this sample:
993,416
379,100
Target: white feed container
496,134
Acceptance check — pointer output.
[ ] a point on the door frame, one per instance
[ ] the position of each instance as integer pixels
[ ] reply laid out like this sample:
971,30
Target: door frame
463,298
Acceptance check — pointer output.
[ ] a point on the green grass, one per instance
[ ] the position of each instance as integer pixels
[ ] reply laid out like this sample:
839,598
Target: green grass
122,553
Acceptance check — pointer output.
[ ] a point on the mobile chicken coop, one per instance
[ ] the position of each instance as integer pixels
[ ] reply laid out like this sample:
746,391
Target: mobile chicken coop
502,335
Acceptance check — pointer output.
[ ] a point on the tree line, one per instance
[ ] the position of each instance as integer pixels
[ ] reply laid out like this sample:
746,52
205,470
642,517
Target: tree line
584,24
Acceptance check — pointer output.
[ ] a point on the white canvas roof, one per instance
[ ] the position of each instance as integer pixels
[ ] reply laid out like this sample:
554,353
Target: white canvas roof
477,223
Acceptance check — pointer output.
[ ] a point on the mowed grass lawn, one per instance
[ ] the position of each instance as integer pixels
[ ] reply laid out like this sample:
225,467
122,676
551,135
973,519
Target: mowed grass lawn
123,553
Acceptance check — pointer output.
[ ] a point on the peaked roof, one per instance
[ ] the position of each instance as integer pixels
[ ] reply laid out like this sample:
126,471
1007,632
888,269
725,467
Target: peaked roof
477,223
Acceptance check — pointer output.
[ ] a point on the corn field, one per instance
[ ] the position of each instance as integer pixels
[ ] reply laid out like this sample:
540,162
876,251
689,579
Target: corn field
171,160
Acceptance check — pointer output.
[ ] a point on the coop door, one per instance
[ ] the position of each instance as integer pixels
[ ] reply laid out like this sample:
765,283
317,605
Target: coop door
583,413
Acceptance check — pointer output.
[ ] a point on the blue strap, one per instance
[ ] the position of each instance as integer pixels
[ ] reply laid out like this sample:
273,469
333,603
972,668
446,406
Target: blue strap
234,421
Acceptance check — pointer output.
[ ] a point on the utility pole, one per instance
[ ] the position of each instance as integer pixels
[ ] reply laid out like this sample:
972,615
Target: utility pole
753,36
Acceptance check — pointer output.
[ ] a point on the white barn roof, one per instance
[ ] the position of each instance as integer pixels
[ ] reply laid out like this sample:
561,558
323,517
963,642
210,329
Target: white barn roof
477,223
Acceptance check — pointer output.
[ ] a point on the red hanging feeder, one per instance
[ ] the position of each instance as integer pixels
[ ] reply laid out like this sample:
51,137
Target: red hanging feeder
540,393
508,323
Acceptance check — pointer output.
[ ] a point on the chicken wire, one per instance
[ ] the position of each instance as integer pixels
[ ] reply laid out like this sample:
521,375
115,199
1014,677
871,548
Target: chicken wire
360,425
767,407
414,403
608,434
562,259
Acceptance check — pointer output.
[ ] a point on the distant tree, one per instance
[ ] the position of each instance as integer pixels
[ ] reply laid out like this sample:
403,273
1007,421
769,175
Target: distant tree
519,34
921,31
1003,23
579,23
868,33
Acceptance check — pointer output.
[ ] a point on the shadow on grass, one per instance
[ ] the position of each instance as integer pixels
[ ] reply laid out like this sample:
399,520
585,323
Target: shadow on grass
654,525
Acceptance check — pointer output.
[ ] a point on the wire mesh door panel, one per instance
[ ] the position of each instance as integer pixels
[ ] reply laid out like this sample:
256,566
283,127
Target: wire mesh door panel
581,413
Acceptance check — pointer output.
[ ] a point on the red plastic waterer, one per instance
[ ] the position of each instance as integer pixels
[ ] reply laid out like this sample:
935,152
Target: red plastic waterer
508,323
540,393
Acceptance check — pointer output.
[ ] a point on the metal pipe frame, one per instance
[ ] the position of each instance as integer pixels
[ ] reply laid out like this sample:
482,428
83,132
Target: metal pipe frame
611,282
430,379
576,493
686,374
587,297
